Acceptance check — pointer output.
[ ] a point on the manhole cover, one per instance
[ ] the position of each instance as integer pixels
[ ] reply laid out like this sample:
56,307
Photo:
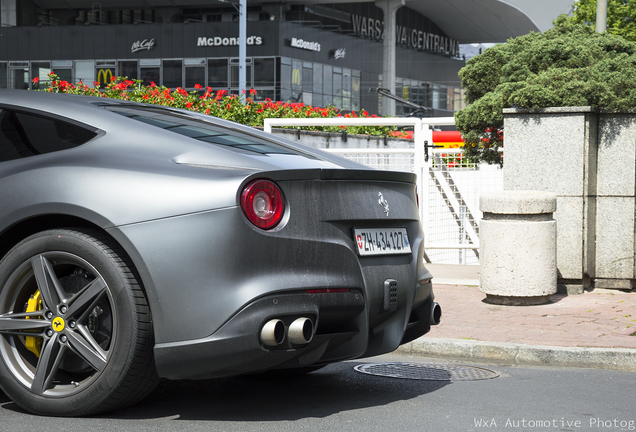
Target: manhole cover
427,371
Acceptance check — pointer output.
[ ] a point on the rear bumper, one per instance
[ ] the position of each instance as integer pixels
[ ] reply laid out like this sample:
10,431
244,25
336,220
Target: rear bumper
341,332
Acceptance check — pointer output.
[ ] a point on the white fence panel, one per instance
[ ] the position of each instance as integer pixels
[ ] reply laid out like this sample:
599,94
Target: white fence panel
448,184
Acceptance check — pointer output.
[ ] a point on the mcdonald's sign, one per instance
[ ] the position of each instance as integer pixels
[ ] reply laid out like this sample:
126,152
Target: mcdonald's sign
104,76
296,76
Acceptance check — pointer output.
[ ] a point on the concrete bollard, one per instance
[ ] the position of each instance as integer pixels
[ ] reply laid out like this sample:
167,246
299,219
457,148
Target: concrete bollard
517,239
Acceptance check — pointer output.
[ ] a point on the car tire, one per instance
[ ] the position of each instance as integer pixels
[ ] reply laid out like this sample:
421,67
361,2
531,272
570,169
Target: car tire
76,334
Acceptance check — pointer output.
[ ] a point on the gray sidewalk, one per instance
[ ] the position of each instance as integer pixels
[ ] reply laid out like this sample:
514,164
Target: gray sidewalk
596,329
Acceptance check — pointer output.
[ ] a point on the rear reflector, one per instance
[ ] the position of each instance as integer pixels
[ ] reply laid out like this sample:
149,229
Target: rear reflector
328,290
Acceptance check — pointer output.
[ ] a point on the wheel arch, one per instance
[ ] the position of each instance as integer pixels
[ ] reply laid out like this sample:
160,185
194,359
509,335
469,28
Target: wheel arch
22,229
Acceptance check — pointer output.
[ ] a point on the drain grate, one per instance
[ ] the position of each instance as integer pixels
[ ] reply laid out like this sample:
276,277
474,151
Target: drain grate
427,371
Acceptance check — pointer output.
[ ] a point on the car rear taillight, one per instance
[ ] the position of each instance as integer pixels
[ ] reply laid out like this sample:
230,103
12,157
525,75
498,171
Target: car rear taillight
263,203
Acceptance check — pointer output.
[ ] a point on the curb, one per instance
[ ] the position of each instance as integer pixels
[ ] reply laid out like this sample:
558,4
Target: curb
622,359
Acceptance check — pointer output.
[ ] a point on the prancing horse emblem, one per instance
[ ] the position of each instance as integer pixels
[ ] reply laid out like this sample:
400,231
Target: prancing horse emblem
383,203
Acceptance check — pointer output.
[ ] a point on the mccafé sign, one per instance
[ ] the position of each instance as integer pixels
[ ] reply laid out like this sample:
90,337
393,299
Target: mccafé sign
413,38
140,45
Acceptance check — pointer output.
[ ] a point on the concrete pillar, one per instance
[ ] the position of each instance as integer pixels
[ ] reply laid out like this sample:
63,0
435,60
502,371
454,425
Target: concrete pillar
564,161
517,238
389,8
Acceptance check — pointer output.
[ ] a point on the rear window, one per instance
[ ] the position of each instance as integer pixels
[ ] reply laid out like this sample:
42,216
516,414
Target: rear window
25,134
199,129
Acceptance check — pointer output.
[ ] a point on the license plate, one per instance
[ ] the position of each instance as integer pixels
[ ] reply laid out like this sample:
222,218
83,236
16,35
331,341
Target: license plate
382,241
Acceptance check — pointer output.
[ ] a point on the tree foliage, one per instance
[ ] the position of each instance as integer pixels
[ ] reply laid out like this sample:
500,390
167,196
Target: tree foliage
569,65
621,16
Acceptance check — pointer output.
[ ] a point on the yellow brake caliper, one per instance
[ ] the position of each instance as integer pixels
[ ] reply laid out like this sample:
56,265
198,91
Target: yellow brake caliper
32,343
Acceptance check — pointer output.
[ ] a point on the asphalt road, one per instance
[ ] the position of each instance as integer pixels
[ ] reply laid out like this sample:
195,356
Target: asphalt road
338,398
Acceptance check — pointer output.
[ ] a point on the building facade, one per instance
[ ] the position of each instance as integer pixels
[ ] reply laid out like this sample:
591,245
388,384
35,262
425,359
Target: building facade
316,54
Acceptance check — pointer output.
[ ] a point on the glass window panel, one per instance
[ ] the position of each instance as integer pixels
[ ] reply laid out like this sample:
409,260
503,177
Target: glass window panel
194,62
85,72
264,72
337,102
173,73
337,83
234,69
355,86
317,100
308,79
3,75
217,73
67,75
297,75
57,64
194,76
150,62
19,78
317,79
105,63
285,82
105,75
327,88
150,75
261,95
307,98
41,70
128,68
346,82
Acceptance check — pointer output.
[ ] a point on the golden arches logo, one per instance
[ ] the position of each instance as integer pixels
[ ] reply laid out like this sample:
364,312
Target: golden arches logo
296,76
58,324
104,76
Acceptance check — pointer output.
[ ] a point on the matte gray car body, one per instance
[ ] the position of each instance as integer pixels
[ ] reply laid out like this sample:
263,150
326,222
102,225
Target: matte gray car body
211,278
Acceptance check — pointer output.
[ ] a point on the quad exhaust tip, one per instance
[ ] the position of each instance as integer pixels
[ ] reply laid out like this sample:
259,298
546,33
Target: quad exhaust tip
273,333
436,314
300,332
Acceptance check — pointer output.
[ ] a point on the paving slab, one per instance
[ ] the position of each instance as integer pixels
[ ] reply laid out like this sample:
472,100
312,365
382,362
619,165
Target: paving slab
594,329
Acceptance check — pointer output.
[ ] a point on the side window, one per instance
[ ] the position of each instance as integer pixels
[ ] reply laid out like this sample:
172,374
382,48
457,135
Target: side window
23,135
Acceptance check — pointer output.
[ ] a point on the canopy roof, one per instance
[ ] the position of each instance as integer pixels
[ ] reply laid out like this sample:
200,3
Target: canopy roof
467,21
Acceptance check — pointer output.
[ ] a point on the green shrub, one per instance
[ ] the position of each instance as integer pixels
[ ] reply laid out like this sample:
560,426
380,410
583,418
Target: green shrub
569,65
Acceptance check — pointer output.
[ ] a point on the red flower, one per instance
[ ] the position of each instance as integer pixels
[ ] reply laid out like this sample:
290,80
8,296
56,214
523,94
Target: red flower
36,80
189,105
252,91
198,86
112,79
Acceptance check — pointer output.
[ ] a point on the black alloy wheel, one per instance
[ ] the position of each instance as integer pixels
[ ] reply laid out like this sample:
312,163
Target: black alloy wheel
75,327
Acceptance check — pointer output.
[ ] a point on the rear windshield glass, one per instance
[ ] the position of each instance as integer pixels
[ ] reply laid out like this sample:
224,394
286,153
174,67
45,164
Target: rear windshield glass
199,129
